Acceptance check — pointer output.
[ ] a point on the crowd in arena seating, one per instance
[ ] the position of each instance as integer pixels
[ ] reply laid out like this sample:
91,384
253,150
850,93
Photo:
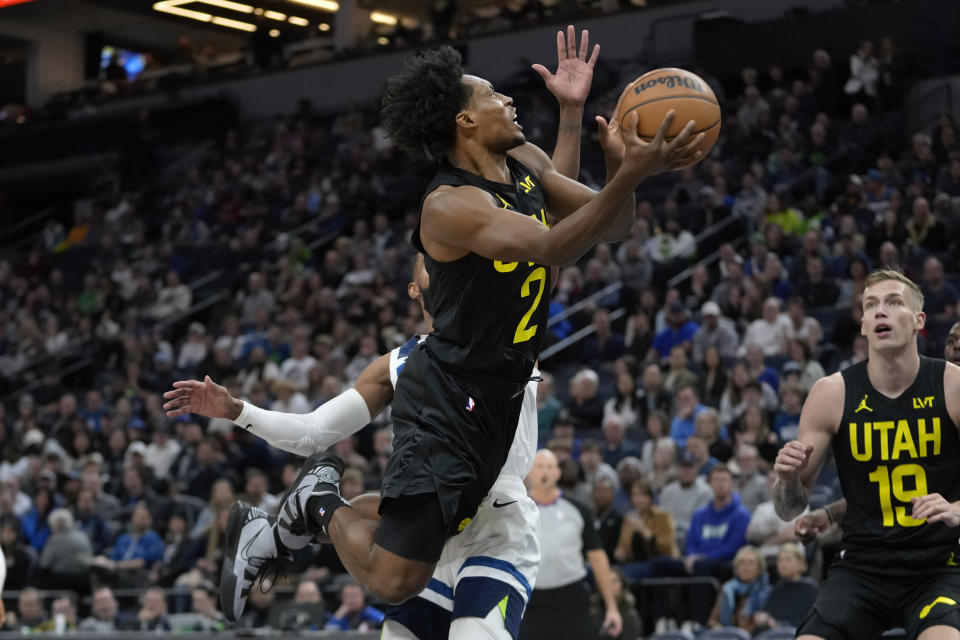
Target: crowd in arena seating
305,222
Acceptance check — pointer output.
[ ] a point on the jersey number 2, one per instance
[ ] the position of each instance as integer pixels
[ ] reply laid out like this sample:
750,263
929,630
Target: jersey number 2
523,332
892,483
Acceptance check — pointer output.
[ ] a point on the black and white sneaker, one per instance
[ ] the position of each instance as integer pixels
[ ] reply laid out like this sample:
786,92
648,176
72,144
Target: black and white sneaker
320,475
251,554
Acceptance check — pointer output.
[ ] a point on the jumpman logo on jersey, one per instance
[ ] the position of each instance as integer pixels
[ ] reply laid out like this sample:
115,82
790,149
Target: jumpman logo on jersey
863,405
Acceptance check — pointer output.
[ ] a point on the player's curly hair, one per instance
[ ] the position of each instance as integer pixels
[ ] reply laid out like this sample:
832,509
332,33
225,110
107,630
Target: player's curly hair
421,103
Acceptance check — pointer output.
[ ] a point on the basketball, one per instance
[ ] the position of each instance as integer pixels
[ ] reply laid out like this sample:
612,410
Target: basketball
656,92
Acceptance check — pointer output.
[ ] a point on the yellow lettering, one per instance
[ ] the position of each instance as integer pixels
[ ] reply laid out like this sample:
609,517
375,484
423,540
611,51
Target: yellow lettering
867,452
506,205
504,267
904,495
932,437
920,403
527,184
884,429
903,441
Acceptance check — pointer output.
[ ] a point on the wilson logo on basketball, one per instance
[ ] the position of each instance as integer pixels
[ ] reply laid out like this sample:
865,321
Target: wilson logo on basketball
669,82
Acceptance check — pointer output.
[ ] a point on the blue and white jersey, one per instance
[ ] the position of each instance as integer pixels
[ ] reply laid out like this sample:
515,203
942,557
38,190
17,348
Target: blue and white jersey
524,447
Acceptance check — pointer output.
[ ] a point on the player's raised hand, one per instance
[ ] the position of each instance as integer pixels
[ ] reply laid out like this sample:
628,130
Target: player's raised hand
571,83
809,526
206,398
792,460
659,155
935,508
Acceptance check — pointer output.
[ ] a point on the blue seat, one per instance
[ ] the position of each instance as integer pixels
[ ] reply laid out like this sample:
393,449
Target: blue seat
725,633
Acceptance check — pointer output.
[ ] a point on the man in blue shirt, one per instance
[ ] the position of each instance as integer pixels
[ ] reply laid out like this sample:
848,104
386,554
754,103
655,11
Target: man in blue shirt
679,331
684,423
138,550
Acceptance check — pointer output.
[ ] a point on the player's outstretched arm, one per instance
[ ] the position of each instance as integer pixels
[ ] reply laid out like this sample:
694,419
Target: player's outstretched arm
570,85
799,462
302,434
467,219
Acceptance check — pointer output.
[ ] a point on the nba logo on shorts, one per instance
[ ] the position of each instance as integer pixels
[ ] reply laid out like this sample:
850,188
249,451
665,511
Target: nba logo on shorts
470,404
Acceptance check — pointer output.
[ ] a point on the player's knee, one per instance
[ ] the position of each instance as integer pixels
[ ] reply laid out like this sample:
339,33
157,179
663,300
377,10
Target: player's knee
398,587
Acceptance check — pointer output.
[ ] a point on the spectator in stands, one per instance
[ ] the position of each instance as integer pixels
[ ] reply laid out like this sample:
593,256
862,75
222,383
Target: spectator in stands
712,379
713,435
178,551
951,350
161,453
684,496
560,596
585,407
204,604
672,248
307,593
715,332
608,520
652,395
174,298
687,408
35,525
768,332
750,202
627,605
748,115
939,296
697,450
353,612
30,611
153,611
256,491
647,533
751,484
787,421
783,215
20,556
135,552
65,560
257,297
591,460
803,363
624,403
802,326
864,75
791,598
743,595
222,497
924,231
104,613
679,331
678,373
605,345
616,446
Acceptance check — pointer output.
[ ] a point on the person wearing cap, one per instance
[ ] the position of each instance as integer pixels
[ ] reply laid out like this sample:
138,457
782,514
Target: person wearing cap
715,331
679,331
876,193
682,497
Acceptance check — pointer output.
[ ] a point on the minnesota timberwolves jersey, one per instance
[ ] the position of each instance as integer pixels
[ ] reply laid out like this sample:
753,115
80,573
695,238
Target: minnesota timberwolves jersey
489,316
524,447
889,450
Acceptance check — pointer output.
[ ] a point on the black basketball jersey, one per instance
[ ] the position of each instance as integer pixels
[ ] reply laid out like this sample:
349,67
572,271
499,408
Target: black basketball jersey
489,316
889,450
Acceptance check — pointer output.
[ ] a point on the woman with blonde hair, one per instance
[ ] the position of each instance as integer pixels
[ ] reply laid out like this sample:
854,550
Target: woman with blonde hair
744,594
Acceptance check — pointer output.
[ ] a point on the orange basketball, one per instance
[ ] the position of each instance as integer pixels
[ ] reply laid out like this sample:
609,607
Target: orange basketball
656,92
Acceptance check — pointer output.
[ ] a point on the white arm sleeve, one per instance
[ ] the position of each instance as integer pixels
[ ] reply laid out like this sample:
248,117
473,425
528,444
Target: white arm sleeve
3,570
305,434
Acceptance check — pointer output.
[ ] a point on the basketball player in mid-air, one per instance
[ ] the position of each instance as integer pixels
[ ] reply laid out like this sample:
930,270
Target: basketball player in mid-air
892,421
471,580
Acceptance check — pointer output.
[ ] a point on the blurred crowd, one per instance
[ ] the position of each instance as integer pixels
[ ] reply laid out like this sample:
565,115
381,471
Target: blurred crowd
302,226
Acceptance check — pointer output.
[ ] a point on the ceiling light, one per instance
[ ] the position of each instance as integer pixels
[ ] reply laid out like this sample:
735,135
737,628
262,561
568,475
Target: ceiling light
167,7
258,11
326,5
383,18
274,33
226,4
323,26
275,15
234,24
300,22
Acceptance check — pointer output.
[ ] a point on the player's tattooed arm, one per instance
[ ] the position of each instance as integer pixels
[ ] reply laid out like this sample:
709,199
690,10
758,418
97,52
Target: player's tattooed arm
789,498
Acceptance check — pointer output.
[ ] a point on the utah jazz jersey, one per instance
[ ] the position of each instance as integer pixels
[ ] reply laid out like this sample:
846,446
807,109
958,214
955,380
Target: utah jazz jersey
889,451
489,316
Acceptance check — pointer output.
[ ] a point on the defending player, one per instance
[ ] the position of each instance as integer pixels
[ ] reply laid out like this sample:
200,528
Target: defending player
487,246
892,421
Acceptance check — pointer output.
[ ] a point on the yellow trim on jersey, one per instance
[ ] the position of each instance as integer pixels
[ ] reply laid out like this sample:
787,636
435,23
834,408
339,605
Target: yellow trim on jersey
502,605
940,599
